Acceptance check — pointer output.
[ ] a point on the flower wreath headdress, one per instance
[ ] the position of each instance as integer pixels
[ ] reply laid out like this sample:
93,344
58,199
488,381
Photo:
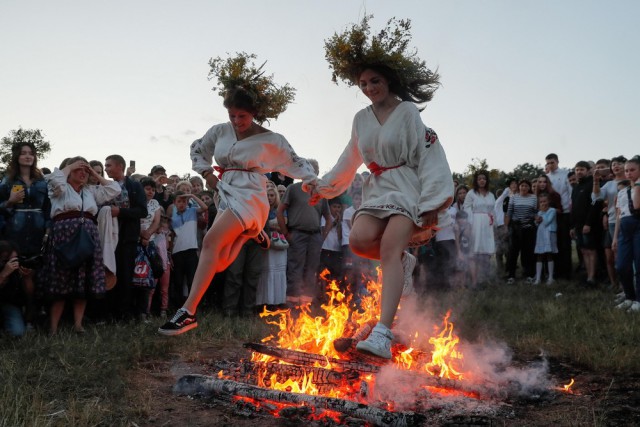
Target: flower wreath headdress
240,70
352,51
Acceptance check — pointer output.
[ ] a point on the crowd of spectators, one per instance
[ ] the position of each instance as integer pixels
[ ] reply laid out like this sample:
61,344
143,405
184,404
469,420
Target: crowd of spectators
146,232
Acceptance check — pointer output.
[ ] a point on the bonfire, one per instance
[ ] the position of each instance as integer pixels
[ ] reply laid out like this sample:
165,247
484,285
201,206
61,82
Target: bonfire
309,367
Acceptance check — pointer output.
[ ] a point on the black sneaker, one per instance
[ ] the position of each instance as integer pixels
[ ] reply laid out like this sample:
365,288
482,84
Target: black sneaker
181,322
263,240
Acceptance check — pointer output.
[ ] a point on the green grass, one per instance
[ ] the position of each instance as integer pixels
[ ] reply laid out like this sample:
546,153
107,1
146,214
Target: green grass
72,380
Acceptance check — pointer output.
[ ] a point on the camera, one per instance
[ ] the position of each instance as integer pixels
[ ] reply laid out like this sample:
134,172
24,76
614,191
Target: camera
33,262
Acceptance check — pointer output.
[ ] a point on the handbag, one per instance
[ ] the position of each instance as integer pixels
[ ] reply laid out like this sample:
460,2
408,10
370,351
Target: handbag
79,249
142,272
155,260
34,262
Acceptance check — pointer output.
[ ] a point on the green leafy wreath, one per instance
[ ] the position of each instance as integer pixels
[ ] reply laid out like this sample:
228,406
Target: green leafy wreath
351,51
241,71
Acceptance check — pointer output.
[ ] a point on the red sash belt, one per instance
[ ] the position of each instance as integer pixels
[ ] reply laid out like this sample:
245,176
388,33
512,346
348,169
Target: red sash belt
222,170
376,169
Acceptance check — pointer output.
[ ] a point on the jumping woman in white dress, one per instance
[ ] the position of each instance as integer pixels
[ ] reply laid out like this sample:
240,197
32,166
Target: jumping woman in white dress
410,184
244,152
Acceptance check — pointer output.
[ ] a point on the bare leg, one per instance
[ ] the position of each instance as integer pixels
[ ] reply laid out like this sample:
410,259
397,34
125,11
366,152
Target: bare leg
384,240
57,307
78,314
611,269
223,241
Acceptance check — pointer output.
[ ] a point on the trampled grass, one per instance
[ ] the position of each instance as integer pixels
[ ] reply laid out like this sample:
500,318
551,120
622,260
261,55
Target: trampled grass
81,380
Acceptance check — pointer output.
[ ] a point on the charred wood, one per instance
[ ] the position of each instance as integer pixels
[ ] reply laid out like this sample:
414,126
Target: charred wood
201,384
309,359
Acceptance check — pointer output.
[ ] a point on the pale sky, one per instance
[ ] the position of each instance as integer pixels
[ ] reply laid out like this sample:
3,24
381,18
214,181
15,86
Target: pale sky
520,79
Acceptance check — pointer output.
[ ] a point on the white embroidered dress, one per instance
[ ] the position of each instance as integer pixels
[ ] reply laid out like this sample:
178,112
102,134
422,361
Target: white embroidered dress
242,187
418,181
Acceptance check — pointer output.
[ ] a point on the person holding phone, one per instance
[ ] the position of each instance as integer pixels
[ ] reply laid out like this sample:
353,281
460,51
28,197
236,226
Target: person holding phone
25,207
164,189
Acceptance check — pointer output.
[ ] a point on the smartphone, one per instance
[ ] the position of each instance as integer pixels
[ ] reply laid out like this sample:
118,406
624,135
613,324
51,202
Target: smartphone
132,164
16,188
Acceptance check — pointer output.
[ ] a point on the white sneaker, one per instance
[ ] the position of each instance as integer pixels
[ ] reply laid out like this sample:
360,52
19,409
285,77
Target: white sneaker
624,305
619,298
536,282
635,307
408,265
378,343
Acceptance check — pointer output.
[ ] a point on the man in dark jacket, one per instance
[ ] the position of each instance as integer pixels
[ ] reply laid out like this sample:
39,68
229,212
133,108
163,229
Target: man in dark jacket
586,224
129,207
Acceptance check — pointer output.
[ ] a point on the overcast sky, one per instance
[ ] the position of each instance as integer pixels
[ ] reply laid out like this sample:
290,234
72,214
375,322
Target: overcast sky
520,79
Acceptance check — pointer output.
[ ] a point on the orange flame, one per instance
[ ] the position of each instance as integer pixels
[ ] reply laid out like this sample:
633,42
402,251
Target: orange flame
316,335
567,387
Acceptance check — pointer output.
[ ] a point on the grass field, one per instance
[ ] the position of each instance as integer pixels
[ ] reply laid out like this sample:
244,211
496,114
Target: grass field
82,380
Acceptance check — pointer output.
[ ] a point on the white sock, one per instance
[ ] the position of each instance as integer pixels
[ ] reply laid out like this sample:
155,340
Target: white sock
538,271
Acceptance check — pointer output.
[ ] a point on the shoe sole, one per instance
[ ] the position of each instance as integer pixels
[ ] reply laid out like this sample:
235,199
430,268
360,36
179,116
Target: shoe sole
174,332
362,348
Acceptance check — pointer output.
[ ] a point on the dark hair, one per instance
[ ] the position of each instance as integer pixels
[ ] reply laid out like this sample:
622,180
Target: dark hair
14,166
552,156
635,159
583,164
239,97
119,160
93,163
604,162
147,182
525,181
475,179
549,188
63,163
419,91
571,173
336,201
619,159
208,193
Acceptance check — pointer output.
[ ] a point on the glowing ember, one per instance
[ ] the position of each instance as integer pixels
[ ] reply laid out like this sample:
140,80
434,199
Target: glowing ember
567,387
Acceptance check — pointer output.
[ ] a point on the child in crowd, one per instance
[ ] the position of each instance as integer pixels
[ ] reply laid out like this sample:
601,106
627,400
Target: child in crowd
272,286
149,225
185,246
462,230
331,255
546,239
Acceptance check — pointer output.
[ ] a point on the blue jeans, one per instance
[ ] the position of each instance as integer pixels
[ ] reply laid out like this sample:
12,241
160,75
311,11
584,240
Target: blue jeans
13,319
628,258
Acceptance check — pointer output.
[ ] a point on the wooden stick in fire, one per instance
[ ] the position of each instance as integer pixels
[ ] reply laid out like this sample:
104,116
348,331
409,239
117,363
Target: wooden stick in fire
309,359
207,385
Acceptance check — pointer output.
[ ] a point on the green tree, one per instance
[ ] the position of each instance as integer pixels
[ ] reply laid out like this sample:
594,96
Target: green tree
20,136
527,171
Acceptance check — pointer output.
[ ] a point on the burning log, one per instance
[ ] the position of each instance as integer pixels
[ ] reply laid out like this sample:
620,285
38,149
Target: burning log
201,384
252,372
309,359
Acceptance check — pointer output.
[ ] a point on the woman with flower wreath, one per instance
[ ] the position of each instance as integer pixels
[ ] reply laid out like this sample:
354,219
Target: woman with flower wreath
244,152
410,186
